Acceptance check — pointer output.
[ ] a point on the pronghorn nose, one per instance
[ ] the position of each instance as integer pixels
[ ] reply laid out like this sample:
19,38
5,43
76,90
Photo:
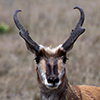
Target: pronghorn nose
53,80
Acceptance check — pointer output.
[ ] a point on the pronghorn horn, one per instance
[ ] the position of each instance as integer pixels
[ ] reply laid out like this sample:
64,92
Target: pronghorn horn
31,45
76,32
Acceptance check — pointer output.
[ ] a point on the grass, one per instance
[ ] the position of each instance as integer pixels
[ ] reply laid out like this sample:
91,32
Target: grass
49,23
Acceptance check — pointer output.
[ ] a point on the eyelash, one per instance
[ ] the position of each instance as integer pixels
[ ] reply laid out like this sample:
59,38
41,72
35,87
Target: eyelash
64,59
37,59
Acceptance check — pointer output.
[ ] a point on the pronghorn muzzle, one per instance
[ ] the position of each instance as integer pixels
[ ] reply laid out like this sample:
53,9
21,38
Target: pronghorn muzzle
52,73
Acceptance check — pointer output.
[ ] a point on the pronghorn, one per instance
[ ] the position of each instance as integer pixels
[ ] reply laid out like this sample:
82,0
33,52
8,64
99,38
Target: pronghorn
51,66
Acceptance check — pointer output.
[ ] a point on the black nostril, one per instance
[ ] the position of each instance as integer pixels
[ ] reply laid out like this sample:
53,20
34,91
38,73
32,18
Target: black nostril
53,80
56,80
50,80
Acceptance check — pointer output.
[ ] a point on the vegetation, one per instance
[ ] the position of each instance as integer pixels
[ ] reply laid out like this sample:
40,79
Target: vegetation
3,27
49,22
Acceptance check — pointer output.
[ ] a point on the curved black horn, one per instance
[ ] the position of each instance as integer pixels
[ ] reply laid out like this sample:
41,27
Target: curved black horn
68,44
17,23
31,45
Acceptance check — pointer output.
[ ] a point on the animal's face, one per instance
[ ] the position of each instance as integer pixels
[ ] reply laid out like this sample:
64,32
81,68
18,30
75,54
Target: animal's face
51,67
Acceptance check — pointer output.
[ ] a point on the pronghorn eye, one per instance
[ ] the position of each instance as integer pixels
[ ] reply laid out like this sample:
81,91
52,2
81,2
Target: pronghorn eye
64,59
37,59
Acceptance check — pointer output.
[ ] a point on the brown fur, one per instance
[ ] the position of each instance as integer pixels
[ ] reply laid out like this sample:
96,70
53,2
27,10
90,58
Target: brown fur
89,92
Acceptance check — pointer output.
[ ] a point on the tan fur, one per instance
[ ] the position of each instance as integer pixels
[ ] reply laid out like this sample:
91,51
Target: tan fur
60,65
85,92
42,66
90,92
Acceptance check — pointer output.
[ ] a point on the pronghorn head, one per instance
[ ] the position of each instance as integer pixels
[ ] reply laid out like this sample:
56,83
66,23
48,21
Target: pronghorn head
51,61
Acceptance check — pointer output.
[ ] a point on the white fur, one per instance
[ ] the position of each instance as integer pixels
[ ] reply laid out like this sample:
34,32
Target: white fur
48,85
51,50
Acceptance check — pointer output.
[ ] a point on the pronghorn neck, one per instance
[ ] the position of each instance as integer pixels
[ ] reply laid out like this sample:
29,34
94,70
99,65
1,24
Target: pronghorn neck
57,94
64,92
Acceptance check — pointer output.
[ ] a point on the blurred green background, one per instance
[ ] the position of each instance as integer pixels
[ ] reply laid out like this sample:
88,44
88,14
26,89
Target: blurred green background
49,22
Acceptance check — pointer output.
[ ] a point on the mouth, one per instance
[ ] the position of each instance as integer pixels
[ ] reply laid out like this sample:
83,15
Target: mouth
53,86
50,85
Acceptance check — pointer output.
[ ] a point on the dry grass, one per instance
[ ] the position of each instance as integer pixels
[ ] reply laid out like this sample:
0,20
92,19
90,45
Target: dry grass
49,22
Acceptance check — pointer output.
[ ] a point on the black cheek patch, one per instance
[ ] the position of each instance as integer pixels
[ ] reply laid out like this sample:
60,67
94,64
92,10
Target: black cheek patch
48,69
55,68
